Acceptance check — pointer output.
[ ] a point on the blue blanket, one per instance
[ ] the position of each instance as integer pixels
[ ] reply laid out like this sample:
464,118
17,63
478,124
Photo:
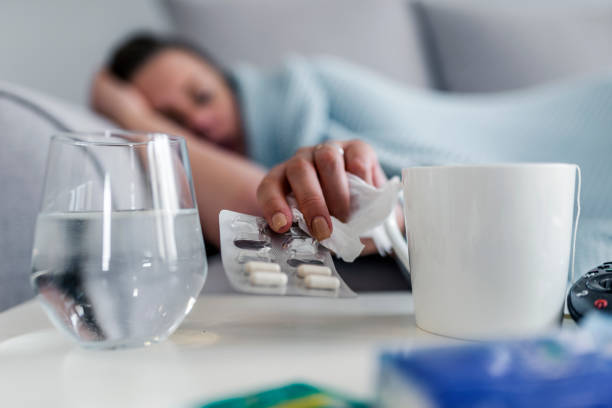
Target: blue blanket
308,101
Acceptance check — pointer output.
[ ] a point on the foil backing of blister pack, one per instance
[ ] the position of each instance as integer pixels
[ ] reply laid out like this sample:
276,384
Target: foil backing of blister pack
247,238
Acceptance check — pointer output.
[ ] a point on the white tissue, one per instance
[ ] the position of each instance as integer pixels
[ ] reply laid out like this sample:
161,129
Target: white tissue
370,206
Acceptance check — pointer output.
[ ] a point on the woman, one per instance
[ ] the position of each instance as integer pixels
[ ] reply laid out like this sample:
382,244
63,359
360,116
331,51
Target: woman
167,86
239,123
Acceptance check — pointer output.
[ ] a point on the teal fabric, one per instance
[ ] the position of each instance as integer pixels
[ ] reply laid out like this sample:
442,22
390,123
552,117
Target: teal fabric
308,101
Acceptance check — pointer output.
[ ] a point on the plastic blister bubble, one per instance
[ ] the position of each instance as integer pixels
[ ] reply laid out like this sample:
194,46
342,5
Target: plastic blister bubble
243,224
251,240
246,238
296,231
296,260
299,245
262,255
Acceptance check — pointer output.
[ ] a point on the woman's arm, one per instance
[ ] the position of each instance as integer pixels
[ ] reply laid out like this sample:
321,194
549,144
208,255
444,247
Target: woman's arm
222,179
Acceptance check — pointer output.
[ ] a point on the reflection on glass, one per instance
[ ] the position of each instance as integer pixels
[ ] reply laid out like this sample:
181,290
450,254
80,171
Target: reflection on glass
118,257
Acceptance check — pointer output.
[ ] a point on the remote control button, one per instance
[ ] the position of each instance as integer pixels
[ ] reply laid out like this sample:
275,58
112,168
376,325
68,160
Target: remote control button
582,293
591,273
600,283
608,263
600,303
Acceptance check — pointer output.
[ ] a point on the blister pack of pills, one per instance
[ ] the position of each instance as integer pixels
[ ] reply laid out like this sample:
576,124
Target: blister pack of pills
260,261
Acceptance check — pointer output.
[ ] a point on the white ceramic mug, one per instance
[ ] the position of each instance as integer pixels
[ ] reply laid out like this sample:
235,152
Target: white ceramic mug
489,246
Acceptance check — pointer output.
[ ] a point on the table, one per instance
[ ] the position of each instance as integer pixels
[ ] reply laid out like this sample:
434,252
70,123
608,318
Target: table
229,344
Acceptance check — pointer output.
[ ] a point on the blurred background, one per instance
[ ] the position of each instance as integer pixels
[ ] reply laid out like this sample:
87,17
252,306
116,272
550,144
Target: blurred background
456,45
50,51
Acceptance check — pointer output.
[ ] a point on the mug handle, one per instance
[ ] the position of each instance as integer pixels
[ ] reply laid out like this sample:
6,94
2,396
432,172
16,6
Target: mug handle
578,175
398,243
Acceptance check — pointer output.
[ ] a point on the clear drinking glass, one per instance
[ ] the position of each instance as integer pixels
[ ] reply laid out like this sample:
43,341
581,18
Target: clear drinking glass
118,257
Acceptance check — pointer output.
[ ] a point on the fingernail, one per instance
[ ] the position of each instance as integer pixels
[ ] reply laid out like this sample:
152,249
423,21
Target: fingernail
320,229
278,221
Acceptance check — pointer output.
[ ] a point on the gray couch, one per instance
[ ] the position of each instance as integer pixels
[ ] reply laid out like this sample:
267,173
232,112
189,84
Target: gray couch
468,46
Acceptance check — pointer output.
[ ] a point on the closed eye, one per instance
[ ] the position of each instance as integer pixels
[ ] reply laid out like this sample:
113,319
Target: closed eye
201,97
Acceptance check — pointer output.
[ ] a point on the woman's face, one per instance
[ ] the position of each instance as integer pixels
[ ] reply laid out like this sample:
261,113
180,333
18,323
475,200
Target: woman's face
189,91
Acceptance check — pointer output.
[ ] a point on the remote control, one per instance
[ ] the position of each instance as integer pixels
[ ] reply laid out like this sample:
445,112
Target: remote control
592,291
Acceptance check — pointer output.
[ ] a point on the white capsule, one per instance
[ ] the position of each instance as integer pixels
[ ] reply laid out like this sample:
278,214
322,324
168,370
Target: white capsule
305,269
268,278
322,282
256,266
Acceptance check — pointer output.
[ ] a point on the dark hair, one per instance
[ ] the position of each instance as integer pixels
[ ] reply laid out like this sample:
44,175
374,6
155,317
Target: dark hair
133,53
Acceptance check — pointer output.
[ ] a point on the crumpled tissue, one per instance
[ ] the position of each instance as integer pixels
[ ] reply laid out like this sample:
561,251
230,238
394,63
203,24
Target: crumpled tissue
369,208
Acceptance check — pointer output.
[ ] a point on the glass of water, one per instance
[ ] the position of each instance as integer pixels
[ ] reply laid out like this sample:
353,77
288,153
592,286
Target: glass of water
118,257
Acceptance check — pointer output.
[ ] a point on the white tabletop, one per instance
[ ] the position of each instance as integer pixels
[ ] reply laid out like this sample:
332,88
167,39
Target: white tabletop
229,344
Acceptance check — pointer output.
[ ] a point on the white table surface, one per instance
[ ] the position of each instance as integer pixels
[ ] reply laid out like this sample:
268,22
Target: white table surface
229,344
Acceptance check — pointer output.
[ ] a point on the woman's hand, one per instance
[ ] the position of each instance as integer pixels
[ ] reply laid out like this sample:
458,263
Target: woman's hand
117,99
317,177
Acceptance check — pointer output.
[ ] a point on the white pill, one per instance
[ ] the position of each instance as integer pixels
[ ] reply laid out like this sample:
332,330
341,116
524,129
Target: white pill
268,278
305,269
254,266
322,282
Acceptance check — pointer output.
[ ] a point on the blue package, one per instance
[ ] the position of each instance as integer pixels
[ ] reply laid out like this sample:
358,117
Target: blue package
570,369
